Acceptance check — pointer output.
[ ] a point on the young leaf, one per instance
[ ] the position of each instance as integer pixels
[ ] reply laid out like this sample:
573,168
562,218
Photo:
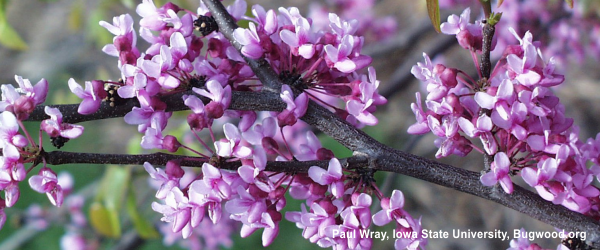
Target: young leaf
112,191
105,220
144,227
8,36
570,3
433,8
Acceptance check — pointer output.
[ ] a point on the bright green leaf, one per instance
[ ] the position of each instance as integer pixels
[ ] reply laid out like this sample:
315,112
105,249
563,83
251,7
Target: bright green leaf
144,227
433,8
105,220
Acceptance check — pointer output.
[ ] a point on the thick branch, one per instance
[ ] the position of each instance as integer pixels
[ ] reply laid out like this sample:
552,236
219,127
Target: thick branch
392,160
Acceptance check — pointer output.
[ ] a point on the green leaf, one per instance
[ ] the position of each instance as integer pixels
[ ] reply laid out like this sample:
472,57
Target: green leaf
433,9
113,187
105,220
8,36
144,227
494,18
109,200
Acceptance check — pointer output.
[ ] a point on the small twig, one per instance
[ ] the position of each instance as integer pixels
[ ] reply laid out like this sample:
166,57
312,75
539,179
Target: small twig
240,101
161,159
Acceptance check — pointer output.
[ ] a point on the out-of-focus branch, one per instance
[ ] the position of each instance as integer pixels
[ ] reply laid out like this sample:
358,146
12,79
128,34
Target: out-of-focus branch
401,78
389,159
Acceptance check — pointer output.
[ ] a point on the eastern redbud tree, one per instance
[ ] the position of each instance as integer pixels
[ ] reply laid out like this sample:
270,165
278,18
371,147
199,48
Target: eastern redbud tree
257,88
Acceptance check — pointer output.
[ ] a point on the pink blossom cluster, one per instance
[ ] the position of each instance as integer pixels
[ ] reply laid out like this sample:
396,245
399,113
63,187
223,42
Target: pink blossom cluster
517,119
370,24
567,34
320,64
18,149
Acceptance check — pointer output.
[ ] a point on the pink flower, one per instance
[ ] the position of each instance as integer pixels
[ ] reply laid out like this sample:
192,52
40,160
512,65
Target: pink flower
232,146
92,95
220,98
338,57
54,126
23,105
500,169
391,209
9,133
295,108
332,177
250,40
301,41
47,182
176,210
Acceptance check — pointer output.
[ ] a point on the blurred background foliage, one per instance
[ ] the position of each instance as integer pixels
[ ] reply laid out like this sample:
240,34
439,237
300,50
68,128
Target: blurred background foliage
60,39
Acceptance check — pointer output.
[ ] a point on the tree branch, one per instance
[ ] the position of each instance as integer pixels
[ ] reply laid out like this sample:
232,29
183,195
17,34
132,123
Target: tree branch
390,159
239,101
161,159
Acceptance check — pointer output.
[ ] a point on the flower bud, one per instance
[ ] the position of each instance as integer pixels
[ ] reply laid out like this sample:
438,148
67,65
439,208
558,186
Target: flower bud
171,144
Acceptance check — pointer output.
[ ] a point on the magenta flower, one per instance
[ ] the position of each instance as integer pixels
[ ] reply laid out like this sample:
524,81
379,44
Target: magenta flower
422,125
469,36
55,127
166,180
210,191
220,98
522,66
253,173
247,206
301,41
312,149
232,146
38,92
341,27
198,120
22,105
263,134
267,20
152,17
250,40
92,95
9,133
500,169
361,109
410,225
546,170
391,209
176,210
47,182
338,57
295,108
332,177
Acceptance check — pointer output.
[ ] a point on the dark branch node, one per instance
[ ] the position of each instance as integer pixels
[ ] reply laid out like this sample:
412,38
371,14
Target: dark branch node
206,25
